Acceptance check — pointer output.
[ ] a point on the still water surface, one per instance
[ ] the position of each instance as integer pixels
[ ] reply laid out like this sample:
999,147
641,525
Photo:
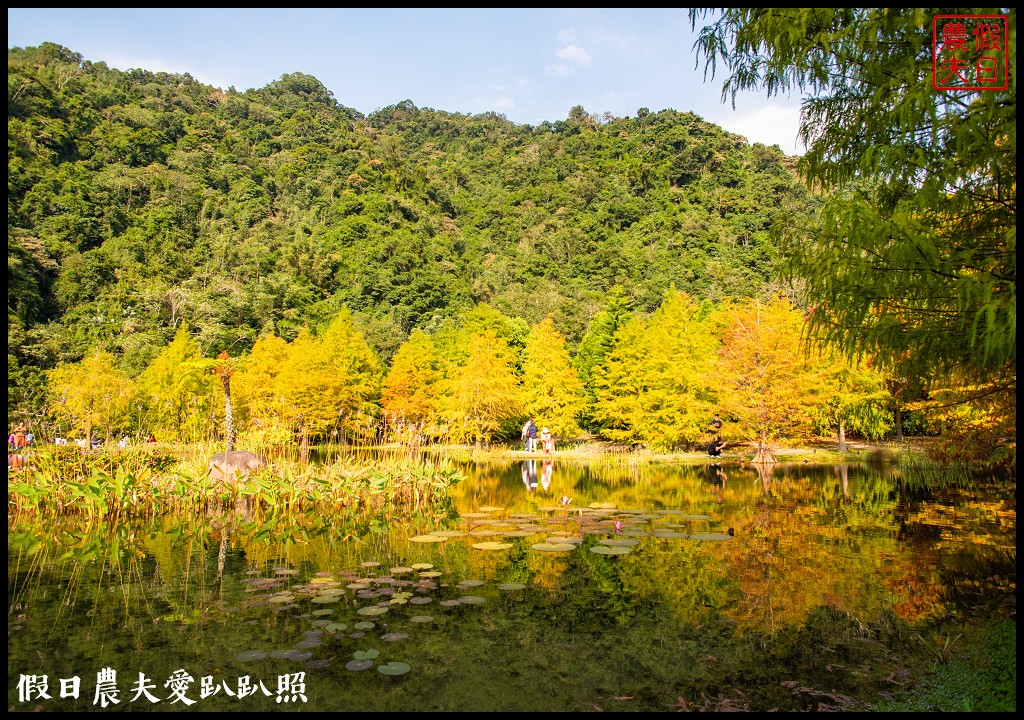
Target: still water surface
561,586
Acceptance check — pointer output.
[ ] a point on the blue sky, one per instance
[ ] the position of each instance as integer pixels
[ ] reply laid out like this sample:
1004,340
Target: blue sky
528,64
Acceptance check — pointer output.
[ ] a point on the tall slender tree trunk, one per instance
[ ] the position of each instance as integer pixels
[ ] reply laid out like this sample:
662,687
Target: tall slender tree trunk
842,436
229,419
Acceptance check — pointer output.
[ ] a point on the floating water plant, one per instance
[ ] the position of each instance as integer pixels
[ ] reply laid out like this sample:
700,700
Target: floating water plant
366,654
421,618
393,637
357,665
373,610
427,538
511,586
494,545
394,668
606,550
251,656
364,625
553,547
471,600
619,542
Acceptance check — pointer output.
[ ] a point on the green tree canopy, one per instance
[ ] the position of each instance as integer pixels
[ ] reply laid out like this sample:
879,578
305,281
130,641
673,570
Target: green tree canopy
913,257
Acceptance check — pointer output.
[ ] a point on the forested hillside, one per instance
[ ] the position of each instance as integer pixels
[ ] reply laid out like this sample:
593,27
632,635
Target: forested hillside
140,203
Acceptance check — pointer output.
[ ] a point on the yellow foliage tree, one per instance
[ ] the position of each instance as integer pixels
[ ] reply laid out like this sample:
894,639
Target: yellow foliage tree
262,419
179,402
768,382
655,386
90,393
552,390
330,382
481,395
410,387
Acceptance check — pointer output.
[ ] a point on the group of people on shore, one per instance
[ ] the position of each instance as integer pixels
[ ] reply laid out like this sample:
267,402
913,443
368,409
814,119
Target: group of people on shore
529,437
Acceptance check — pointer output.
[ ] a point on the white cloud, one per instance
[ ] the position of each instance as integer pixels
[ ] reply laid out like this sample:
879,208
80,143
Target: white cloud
771,124
574,54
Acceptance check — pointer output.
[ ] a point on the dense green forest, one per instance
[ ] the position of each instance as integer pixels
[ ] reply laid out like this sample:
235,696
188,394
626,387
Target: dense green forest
154,222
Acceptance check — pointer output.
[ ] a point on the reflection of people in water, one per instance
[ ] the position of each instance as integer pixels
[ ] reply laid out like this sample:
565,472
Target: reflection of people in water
717,477
545,475
530,475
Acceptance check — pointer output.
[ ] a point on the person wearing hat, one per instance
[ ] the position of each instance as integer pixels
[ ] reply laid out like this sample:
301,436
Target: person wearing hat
546,441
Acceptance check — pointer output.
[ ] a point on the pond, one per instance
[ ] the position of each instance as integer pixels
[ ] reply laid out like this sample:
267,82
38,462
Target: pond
552,586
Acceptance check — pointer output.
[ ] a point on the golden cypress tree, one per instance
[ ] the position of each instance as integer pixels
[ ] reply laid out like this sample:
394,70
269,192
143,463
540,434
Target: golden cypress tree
552,391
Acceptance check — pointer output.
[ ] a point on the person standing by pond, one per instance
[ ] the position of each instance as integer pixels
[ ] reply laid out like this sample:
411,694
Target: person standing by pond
531,435
526,435
715,426
547,442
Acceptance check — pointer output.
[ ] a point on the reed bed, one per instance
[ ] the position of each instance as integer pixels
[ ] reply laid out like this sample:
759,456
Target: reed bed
139,483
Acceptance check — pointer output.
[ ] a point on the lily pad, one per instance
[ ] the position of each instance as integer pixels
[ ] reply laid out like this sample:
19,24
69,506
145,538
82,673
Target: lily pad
475,515
420,600
393,637
308,643
564,540
605,550
472,600
373,610
427,538
449,603
359,664
430,574
490,509
251,656
336,627
325,599
470,583
394,668
492,546
619,542
281,653
421,618
448,533
422,566
400,570
512,586
300,656
364,625
552,547
285,571
711,536
369,564
321,612
669,534
366,654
